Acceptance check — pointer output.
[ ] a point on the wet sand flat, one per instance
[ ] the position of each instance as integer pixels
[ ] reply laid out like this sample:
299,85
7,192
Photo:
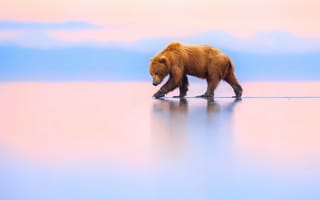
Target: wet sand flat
111,140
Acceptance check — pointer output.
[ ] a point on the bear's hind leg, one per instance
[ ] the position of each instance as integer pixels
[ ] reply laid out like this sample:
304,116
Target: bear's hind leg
232,80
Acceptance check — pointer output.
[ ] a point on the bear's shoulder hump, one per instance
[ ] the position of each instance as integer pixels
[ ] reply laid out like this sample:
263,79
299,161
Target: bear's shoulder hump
174,45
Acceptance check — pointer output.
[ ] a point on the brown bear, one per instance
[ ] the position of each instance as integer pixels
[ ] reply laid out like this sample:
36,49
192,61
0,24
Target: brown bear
203,61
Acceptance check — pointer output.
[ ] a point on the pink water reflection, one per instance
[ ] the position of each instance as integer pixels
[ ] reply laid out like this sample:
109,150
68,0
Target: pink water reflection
66,123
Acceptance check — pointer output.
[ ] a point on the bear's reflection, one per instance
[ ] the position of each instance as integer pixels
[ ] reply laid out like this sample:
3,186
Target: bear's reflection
176,123
180,115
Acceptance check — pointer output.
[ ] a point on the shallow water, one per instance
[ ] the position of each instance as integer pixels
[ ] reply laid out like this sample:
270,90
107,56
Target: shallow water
113,141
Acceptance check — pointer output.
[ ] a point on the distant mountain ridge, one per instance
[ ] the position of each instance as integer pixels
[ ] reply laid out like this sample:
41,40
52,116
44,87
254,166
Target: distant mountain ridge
274,42
119,64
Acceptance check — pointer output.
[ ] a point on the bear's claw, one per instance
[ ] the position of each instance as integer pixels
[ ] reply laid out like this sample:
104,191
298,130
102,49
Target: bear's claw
158,94
237,97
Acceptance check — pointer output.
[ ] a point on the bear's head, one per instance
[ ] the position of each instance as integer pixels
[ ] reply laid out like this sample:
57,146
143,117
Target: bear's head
159,69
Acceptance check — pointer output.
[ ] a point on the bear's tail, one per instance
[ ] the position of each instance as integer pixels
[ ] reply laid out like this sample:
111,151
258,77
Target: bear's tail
229,69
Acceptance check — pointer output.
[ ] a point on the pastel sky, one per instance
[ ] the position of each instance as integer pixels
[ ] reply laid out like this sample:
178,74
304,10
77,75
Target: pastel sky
267,39
128,20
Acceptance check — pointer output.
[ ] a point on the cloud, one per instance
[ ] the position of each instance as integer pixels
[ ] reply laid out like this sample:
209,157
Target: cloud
40,34
5,35
70,34
69,25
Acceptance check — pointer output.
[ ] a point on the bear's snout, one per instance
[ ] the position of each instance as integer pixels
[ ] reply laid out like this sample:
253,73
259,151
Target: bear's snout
155,83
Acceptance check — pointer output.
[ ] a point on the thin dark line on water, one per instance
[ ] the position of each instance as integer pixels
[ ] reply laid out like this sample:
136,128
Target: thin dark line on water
276,97
253,97
282,97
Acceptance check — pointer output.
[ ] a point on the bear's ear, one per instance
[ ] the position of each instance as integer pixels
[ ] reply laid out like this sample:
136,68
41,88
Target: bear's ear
163,59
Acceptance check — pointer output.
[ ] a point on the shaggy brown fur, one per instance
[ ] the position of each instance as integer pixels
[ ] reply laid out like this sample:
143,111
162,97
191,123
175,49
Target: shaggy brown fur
202,61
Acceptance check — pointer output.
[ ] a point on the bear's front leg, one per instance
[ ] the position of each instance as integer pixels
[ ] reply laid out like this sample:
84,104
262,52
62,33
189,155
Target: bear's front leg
159,94
183,88
170,85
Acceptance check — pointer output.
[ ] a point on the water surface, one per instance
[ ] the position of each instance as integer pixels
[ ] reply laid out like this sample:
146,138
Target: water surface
87,140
